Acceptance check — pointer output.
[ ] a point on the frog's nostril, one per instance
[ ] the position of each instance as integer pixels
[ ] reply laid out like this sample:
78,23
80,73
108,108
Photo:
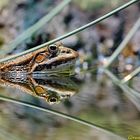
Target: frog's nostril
68,51
63,51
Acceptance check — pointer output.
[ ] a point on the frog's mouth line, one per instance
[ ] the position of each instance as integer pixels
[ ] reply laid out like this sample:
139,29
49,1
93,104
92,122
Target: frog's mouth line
61,66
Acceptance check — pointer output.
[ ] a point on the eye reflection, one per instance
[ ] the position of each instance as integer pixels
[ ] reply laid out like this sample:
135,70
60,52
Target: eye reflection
53,100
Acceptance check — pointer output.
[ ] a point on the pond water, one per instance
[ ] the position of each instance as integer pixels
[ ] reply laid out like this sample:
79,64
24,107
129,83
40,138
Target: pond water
92,104
104,110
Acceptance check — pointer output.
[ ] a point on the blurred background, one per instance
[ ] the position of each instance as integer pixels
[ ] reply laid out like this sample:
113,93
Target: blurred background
96,98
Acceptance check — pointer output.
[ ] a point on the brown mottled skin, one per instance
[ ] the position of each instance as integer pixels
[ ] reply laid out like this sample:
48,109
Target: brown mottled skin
16,73
52,57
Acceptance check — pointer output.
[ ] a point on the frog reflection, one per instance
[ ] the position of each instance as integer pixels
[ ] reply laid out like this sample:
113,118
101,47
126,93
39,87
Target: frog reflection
52,89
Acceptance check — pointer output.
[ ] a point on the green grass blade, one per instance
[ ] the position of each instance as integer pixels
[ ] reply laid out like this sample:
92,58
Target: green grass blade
123,43
30,31
130,93
6,135
72,32
131,75
72,118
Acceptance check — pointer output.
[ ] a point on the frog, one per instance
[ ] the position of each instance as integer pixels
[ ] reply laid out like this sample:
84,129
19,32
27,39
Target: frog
54,58
52,89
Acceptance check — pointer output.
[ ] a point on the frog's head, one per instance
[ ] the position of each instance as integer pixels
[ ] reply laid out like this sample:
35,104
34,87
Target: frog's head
55,58
53,89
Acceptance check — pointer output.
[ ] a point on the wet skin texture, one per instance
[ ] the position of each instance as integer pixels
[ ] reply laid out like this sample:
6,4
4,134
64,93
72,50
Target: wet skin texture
49,58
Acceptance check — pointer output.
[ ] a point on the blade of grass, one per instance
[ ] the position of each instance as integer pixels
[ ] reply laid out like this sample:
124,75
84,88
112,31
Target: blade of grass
30,31
131,94
131,75
72,32
4,135
123,43
66,116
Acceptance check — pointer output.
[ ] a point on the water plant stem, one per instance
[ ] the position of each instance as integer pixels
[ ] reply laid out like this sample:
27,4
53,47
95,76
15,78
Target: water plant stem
130,93
47,110
72,32
123,43
31,30
131,75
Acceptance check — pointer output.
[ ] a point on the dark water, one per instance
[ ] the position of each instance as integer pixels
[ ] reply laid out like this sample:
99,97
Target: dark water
92,98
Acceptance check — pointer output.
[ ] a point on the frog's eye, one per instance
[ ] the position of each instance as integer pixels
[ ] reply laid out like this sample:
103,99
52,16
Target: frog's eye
53,49
40,58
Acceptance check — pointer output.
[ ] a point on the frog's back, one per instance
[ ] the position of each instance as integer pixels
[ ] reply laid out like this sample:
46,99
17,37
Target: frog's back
21,61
